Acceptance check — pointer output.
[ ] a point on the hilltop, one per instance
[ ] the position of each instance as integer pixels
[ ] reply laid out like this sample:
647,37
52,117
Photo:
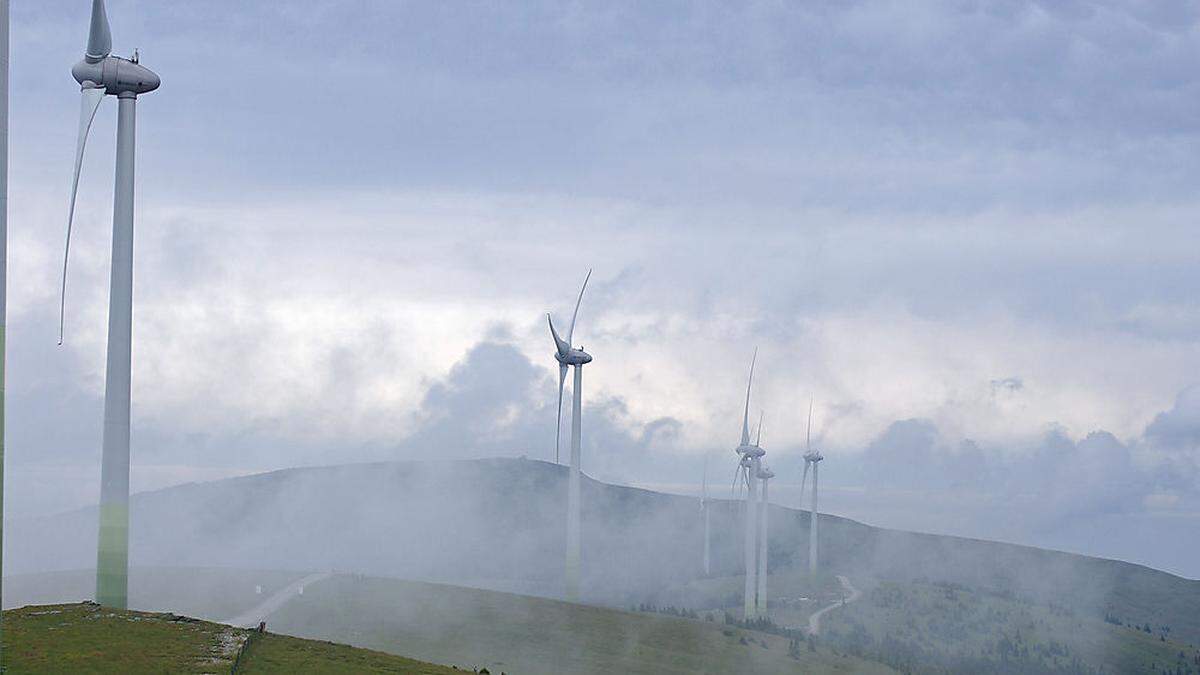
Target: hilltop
498,524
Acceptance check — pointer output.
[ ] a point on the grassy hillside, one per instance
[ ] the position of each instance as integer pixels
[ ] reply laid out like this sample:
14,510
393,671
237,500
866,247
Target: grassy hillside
916,626
272,653
88,638
521,634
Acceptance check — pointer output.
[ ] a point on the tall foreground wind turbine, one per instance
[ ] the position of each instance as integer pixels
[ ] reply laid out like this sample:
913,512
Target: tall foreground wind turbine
3,254
750,462
566,355
100,74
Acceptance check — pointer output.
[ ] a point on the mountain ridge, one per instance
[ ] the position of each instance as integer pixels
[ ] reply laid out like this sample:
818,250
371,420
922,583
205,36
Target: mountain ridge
497,523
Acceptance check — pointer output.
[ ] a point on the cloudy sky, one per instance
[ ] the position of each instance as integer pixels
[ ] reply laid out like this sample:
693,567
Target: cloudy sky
966,230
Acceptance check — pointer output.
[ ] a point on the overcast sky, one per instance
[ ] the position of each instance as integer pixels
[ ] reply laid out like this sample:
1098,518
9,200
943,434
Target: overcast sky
967,230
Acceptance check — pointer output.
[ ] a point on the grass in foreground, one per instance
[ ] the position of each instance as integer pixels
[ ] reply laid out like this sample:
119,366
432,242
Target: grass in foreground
87,638
271,653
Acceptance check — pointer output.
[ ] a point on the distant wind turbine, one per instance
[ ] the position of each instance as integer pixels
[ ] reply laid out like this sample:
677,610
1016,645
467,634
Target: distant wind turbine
566,355
750,462
808,450
99,74
813,457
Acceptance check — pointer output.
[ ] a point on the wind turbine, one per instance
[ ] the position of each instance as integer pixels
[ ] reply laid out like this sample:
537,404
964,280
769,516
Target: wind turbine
99,74
814,457
764,475
749,462
3,251
566,355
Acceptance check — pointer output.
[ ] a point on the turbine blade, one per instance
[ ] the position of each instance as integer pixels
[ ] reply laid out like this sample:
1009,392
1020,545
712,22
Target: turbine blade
808,434
803,481
562,378
561,346
99,36
90,102
758,437
704,478
571,329
746,412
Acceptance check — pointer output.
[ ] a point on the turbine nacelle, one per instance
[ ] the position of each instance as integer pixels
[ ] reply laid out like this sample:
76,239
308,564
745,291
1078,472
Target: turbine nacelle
115,75
766,474
573,357
813,456
750,451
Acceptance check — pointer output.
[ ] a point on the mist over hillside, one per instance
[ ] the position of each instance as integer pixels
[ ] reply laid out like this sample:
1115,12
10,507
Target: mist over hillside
499,524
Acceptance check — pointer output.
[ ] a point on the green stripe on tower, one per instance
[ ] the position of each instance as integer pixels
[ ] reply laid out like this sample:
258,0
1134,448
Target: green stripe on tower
112,558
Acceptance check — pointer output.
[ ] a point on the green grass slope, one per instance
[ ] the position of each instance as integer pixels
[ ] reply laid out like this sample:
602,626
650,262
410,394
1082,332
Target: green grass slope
528,635
87,638
271,653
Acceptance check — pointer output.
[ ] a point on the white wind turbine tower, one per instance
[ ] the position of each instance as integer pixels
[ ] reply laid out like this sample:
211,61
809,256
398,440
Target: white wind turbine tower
814,457
764,475
566,355
750,462
99,74
3,254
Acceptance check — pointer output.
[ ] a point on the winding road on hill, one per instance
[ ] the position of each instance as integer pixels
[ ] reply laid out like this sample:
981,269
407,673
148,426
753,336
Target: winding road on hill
267,607
814,621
